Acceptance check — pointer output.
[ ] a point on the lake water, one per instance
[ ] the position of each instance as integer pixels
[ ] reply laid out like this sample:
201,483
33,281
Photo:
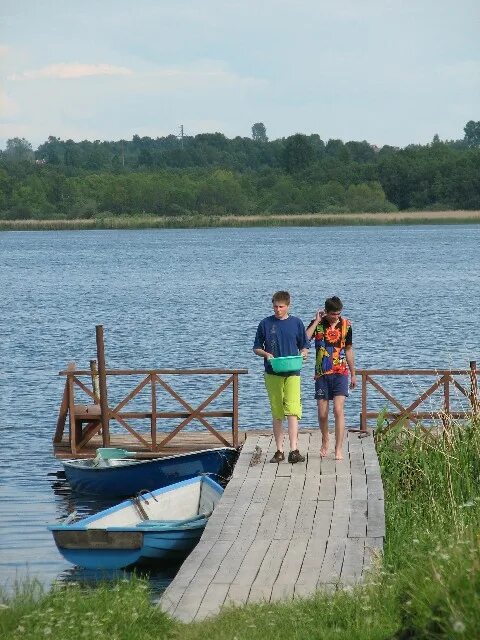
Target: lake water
193,298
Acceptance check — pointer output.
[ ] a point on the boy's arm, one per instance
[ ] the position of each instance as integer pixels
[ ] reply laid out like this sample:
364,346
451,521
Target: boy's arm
263,353
259,343
303,342
350,358
314,323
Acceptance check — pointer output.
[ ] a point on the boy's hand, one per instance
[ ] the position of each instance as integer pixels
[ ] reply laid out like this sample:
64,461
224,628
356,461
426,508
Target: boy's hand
304,353
353,381
319,315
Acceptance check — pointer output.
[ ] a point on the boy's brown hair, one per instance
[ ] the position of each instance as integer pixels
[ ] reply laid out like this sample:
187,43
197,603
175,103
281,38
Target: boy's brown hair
333,304
281,296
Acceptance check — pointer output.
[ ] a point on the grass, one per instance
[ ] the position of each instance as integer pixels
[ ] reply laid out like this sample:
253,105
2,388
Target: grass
272,220
427,587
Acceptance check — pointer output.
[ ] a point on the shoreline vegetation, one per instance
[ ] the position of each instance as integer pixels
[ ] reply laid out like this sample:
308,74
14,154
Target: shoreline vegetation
209,180
229,221
427,585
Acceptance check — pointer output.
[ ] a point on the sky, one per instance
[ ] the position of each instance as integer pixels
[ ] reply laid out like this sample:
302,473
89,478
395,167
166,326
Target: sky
391,72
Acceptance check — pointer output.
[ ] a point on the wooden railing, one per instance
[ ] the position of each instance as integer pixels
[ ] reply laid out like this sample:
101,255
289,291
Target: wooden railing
98,414
444,379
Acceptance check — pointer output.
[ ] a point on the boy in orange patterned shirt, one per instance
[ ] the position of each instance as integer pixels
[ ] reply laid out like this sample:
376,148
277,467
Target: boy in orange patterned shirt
333,344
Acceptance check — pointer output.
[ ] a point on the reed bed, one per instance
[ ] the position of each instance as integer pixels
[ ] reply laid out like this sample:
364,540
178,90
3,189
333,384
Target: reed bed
271,220
426,586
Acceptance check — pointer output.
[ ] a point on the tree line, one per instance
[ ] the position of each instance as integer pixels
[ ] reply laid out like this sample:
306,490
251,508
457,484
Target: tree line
211,174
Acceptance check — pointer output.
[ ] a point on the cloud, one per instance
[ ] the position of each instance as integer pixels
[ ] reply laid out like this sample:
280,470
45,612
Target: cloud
66,71
202,75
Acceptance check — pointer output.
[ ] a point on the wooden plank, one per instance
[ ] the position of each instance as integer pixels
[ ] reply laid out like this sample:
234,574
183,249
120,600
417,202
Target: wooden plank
327,488
323,519
251,521
233,560
374,486
216,521
284,585
295,487
343,488
212,600
286,520
241,584
359,487
357,527
333,561
268,572
306,583
311,488
352,566
376,518
305,519
233,521
340,519
327,465
192,597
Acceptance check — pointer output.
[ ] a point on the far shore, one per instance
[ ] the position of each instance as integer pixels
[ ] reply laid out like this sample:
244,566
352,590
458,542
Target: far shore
271,220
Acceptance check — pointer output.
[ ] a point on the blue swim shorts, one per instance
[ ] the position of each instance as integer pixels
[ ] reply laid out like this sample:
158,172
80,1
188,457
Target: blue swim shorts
329,386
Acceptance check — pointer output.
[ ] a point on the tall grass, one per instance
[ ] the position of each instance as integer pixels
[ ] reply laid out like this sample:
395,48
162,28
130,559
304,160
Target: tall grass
426,587
105,221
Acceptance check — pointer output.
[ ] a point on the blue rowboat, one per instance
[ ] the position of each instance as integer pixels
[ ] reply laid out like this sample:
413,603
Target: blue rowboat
125,476
161,525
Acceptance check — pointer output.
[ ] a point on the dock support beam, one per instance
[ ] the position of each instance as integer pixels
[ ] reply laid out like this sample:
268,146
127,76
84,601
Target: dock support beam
102,380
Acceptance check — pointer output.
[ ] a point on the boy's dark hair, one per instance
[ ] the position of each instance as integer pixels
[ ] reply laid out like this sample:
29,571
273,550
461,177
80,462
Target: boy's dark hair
333,304
281,296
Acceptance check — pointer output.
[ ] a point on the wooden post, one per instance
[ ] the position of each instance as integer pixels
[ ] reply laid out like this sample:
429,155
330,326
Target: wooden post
95,384
446,401
474,388
102,378
71,407
153,420
235,410
62,415
363,417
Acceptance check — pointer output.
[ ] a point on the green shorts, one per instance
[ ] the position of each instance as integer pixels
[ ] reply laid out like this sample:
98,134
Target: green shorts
284,395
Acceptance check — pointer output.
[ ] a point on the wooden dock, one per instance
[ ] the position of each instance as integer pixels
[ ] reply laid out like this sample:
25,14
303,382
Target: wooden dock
284,531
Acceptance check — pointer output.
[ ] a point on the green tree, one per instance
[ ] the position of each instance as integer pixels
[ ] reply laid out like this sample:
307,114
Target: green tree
259,132
18,150
472,134
29,199
298,153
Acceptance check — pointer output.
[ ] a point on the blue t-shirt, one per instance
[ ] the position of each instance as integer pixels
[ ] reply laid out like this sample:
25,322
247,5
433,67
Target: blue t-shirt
281,338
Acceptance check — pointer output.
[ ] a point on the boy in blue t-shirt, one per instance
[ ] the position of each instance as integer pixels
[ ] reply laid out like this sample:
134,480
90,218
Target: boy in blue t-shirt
277,336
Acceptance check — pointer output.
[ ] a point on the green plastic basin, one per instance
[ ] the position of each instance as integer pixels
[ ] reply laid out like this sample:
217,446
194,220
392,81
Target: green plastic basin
286,364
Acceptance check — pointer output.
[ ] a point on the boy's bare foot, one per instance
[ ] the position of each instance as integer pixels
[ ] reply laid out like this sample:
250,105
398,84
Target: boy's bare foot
338,455
324,449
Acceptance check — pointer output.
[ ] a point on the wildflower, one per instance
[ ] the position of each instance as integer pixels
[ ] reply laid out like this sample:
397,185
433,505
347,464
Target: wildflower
458,626
47,631
415,541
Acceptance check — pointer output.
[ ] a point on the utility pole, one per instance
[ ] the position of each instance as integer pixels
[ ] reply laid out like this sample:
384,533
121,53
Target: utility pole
181,135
